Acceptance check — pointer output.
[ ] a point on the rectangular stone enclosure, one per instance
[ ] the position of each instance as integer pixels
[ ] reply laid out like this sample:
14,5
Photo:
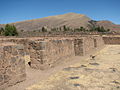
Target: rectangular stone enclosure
12,64
45,53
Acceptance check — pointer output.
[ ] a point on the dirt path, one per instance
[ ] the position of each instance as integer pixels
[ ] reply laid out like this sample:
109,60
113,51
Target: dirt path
103,73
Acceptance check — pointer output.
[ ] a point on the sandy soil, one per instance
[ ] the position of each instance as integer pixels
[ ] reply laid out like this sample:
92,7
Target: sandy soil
102,73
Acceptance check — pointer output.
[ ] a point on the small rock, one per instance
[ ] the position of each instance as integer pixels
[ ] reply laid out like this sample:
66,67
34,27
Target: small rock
1,78
74,77
93,63
113,69
83,66
118,87
116,82
76,85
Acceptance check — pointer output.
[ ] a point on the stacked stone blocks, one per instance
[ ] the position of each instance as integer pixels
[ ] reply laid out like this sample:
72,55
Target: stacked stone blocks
12,64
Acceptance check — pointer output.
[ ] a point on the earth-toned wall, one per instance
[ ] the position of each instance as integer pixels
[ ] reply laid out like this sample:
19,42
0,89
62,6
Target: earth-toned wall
91,43
111,40
23,41
12,64
46,53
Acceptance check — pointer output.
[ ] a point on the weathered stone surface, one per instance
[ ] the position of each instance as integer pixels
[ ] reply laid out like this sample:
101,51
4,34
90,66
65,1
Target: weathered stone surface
11,65
1,78
78,47
48,51
113,40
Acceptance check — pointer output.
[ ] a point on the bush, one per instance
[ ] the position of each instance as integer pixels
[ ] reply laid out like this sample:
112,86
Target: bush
10,30
1,31
44,29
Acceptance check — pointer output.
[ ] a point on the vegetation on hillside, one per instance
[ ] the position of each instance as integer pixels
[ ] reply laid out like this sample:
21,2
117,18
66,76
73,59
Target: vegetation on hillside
93,27
9,30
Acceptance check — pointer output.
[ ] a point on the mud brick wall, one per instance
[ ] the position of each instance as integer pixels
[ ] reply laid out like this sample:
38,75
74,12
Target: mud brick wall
111,40
12,64
46,53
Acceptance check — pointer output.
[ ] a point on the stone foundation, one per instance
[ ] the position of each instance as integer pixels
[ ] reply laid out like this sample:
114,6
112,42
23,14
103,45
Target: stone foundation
12,64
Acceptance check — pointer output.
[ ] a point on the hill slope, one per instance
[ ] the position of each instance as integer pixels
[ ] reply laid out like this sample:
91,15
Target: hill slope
70,19
109,25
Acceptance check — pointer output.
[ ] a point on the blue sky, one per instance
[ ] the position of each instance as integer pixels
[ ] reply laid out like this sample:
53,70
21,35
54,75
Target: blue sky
19,10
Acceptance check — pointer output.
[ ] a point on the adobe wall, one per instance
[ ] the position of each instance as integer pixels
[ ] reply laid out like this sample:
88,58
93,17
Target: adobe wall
12,64
113,40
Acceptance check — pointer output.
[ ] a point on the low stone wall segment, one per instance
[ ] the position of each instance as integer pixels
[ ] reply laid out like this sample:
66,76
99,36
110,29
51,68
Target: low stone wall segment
12,64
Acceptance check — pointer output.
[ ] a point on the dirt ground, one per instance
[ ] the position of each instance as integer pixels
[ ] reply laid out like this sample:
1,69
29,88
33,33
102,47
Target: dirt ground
82,73
100,73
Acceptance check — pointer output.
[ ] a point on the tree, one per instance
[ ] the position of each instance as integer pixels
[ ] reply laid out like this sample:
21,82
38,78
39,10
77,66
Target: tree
65,28
44,29
92,25
10,30
81,29
1,31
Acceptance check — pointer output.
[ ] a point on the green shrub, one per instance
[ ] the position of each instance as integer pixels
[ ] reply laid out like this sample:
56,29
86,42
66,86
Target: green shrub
10,30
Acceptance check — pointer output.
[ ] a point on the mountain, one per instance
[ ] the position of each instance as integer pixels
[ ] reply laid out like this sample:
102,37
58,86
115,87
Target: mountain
72,20
109,25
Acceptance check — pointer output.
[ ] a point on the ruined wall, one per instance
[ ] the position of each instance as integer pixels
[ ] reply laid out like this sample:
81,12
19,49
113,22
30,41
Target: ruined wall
12,64
23,41
45,53
78,47
114,40
91,43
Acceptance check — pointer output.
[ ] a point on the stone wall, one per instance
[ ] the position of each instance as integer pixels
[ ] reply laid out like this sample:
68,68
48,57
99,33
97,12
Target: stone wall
91,43
12,64
114,40
78,47
23,41
85,45
45,53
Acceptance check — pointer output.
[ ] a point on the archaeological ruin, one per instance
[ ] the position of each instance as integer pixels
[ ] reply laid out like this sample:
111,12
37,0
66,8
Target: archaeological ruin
45,52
